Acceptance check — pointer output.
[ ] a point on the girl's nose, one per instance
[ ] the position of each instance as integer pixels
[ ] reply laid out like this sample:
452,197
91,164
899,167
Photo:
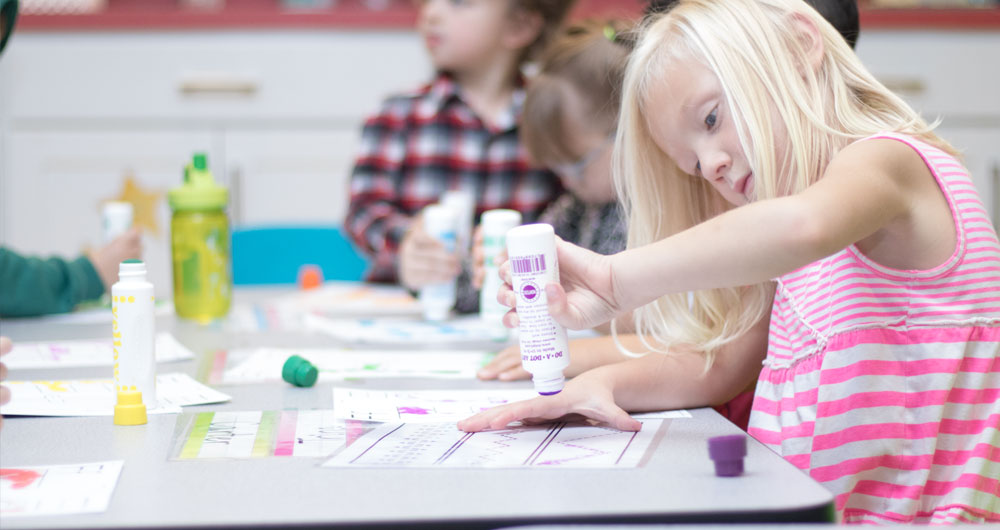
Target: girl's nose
715,165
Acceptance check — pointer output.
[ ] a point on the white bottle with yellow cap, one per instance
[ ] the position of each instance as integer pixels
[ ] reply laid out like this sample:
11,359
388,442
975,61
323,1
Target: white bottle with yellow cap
133,332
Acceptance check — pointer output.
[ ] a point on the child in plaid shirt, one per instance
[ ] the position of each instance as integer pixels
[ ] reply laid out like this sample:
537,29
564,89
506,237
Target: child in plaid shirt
457,132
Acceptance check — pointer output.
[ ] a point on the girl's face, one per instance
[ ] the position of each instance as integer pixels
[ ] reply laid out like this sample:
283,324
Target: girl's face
588,174
691,122
462,34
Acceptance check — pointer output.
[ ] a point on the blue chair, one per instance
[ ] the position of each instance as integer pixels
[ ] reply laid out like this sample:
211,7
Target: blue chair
273,254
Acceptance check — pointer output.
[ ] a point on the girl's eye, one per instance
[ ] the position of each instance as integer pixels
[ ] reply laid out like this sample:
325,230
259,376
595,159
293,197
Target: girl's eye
711,118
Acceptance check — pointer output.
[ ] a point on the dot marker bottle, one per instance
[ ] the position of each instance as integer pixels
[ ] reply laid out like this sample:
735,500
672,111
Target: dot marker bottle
117,219
440,223
531,251
132,328
494,226
464,205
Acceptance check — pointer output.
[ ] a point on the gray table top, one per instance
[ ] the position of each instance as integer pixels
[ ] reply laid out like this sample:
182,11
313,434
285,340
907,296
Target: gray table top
676,484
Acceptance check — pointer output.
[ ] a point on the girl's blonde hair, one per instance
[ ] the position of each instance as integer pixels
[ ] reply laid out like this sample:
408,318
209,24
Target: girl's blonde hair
759,53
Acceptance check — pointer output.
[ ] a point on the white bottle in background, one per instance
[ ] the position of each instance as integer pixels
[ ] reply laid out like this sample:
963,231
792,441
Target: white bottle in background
531,251
117,219
437,300
494,227
133,331
464,206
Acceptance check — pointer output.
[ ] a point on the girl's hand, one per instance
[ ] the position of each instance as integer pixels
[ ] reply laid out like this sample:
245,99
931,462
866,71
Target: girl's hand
423,260
586,397
506,366
585,296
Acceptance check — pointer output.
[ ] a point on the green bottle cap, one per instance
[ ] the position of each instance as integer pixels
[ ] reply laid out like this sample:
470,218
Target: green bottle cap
199,190
132,261
299,372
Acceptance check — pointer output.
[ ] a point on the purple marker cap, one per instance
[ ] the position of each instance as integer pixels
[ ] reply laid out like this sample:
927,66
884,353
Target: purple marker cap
727,452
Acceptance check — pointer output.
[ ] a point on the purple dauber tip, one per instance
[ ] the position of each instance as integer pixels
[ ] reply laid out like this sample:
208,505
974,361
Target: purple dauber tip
549,393
727,452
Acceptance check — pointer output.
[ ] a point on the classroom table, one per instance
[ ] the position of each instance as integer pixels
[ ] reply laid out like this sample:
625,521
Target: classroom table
676,484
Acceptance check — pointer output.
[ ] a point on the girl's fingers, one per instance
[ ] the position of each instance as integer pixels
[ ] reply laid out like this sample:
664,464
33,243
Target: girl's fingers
514,373
558,306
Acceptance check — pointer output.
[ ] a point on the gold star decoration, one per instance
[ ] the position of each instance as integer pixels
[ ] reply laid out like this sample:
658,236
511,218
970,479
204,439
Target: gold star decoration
144,204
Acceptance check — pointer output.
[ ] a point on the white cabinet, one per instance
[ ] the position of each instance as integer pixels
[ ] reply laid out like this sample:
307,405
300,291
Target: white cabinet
279,114
289,176
53,206
954,76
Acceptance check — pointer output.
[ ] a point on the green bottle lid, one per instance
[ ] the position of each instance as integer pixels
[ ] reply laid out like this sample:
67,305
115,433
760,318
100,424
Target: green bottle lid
199,191
299,372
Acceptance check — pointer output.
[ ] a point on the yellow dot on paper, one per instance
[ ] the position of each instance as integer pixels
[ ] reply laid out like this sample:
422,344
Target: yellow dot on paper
131,299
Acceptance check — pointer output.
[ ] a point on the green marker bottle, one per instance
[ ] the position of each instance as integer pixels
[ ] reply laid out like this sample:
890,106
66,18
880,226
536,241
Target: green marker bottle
199,235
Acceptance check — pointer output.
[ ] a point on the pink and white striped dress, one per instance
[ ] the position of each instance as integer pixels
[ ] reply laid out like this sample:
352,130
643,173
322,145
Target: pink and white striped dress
884,384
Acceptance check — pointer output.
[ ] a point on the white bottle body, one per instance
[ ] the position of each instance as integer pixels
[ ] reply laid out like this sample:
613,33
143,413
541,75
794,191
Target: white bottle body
117,219
494,227
531,251
464,205
133,331
438,299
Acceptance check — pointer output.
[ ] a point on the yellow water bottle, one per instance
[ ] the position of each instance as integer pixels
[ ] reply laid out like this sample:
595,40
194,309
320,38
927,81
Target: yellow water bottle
199,234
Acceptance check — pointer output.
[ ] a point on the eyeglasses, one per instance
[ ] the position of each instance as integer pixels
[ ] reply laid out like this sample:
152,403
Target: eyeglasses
574,170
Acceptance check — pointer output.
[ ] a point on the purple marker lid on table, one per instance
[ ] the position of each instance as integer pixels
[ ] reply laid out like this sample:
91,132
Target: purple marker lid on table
727,452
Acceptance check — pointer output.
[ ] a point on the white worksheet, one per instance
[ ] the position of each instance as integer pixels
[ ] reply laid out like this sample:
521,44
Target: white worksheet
559,445
262,434
97,397
392,331
57,490
264,364
421,406
335,299
80,353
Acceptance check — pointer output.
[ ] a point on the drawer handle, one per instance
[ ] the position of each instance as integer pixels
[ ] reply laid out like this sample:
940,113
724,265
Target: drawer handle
235,87
906,85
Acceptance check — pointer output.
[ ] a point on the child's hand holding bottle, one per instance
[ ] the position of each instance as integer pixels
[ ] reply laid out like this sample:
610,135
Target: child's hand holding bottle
585,296
423,260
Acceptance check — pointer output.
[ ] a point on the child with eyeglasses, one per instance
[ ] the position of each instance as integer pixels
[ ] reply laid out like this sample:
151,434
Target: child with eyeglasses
568,125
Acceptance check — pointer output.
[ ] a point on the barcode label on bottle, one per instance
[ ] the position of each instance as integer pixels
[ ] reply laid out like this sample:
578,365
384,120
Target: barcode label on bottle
528,264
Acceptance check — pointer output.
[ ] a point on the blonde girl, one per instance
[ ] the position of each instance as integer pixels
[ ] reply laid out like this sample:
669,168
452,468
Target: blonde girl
827,233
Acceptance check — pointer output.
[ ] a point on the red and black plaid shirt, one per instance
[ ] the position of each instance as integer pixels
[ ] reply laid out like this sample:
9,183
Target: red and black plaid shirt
425,143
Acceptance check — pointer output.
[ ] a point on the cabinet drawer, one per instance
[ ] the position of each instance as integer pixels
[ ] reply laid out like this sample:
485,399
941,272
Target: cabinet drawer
189,76
941,74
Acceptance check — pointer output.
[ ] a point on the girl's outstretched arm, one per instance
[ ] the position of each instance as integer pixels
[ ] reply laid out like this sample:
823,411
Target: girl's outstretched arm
874,190
654,382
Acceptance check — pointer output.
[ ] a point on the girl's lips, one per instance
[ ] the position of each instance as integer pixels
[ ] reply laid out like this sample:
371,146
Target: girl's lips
745,185
432,41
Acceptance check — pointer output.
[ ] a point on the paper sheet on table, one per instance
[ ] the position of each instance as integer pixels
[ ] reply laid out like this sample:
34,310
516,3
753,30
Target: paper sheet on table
389,331
261,434
80,353
95,397
286,312
421,406
556,445
57,490
98,313
264,364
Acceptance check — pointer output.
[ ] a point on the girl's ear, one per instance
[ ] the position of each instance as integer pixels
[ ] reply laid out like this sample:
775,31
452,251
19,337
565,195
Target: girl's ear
523,29
810,39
